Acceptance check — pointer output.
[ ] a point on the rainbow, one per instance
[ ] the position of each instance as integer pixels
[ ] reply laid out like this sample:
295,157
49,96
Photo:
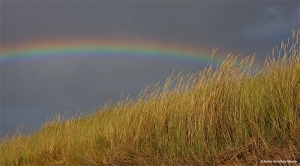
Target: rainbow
32,51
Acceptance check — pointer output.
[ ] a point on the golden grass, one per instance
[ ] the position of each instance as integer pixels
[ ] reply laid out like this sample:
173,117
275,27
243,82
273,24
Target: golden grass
230,116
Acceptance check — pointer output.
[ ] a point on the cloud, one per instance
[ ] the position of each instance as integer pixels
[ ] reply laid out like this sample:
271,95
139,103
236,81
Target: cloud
276,20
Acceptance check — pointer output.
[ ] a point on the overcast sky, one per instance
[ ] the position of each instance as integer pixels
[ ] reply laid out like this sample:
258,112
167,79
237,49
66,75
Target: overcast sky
30,92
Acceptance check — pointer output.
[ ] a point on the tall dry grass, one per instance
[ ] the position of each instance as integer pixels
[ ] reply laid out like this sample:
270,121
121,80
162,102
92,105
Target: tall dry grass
234,114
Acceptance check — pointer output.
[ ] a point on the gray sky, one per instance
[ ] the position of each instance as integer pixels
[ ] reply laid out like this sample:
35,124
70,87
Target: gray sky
30,92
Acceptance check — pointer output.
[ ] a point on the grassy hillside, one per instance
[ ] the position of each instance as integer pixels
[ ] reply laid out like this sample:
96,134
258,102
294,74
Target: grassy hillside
223,116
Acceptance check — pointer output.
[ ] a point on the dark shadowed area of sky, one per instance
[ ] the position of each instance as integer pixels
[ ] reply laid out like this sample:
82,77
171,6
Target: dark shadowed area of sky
32,91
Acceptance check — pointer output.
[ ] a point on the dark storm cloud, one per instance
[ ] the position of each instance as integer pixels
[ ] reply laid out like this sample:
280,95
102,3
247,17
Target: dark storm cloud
30,92
276,19
202,22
